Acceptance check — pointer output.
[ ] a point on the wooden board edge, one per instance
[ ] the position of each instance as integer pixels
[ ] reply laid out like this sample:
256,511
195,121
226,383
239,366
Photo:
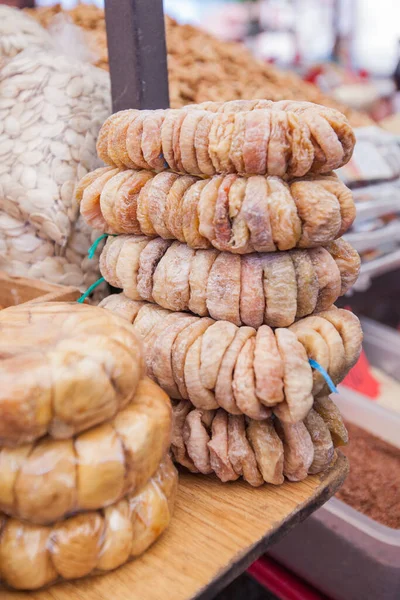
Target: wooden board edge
69,294
331,481
37,284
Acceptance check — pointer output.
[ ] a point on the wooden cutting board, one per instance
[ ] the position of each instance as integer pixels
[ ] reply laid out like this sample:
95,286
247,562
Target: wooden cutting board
218,530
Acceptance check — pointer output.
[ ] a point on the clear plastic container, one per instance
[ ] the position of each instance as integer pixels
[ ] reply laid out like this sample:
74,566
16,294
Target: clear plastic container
341,552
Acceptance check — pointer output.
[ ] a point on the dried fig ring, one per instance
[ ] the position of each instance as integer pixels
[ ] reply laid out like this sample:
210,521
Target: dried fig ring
296,138
254,289
51,479
67,378
236,214
89,543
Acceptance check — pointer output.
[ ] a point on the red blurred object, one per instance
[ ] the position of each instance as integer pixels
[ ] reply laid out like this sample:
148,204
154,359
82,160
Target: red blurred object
361,379
284,584
313,74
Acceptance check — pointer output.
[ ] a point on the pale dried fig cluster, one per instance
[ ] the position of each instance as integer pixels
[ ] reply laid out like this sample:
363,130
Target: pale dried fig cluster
233,446
241,369
51,109
285,139
85,478
230,211
89,543
274,289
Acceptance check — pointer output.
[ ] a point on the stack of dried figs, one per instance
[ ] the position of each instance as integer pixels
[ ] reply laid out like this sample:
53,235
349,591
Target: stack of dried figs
80,491
224,223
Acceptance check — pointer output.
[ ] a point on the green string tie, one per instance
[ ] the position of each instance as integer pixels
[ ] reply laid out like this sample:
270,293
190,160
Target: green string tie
94,285
93,247
317,366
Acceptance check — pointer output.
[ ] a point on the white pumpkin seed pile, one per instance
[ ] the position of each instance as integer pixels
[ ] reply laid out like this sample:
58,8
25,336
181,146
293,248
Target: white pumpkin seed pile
51,110
19,31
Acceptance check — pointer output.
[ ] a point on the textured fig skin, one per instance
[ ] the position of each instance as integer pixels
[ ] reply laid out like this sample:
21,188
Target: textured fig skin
215,357
261,288
281,139
50,480
267,450
88,543
67,377
237,214
321,438
298,450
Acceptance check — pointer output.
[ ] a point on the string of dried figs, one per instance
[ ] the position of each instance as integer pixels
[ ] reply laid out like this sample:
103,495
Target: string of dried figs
252,289
92,470
245,371
63,379
276,138
233,446
88,543
232,213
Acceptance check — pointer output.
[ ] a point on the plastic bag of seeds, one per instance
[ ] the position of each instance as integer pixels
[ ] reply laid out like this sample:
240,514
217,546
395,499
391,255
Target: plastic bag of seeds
19,31
51,109
24,254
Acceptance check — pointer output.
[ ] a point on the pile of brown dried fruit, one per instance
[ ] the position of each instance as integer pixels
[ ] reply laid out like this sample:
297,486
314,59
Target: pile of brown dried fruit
201,67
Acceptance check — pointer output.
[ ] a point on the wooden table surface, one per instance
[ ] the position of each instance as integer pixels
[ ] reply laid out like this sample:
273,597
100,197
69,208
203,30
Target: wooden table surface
218,530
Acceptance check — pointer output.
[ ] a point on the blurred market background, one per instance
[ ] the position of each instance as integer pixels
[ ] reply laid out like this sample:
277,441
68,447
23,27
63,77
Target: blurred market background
340,53
350,48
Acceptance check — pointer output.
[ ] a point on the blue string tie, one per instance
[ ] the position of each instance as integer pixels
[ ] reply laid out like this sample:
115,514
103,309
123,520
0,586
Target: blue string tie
93,247
317,367
94,285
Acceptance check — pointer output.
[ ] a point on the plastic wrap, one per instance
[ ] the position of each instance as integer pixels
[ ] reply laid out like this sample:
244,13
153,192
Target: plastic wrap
259,451
51,110
51,479
33,556
217,364
63,368
231,213
18,31
274,289
259,137
23,253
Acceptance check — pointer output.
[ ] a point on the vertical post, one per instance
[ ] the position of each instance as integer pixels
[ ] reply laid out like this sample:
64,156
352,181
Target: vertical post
137,54
19,3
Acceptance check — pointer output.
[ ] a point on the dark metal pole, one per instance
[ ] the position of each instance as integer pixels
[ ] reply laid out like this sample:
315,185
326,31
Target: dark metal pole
19,3
137,54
